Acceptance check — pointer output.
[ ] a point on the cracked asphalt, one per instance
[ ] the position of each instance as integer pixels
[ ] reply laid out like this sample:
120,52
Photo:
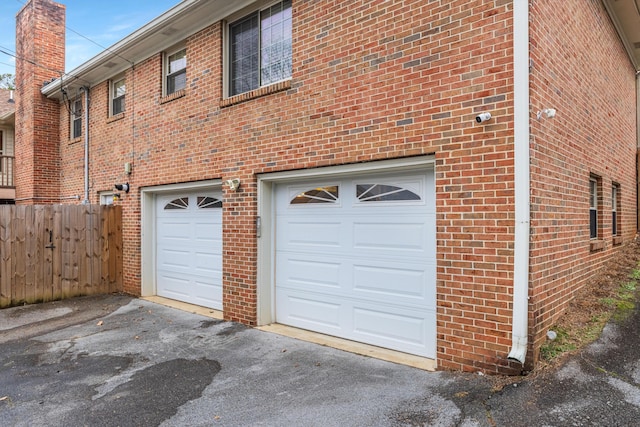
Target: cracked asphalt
119,361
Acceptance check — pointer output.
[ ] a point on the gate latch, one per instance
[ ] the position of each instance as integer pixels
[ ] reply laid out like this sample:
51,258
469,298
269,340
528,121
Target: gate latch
50,245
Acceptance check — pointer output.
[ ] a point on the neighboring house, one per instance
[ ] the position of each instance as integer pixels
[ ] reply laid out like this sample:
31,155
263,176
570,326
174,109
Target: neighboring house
330,165
7,119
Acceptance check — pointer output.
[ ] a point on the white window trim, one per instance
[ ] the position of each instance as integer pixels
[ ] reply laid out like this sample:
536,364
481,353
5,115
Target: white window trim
73,117
112,93
226,37
165,65
593,205
107,197
615,194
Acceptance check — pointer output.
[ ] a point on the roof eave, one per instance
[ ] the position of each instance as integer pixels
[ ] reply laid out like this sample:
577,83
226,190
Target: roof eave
153,37
625,15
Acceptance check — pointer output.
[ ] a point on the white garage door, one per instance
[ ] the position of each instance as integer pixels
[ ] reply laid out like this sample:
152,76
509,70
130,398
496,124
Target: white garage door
189,247
355,258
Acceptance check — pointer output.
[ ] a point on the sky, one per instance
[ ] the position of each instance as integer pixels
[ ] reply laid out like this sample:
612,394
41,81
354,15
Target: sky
103,21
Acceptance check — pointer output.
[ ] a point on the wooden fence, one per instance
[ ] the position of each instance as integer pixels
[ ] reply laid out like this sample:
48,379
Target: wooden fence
59,251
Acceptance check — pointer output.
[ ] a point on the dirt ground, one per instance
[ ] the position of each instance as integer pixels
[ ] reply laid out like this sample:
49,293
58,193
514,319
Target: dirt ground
593,301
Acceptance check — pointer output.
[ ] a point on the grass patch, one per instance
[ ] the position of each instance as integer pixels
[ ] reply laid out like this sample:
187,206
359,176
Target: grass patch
560,345
617,307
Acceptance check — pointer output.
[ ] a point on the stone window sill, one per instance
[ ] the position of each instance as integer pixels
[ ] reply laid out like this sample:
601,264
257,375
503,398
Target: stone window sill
173,96
597,245
115,118
257,93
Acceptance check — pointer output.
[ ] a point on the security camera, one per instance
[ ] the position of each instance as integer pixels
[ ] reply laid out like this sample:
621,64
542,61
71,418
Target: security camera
483,117
122,187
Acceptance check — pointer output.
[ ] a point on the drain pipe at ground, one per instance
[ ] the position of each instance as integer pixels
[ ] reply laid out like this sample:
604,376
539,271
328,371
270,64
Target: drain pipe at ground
520,327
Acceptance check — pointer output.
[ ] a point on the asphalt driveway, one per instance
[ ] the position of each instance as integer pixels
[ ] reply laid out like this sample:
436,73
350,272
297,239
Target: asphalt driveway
120,361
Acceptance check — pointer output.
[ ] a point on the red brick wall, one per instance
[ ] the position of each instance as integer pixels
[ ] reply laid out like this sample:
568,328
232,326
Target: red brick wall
37,157
372,80
581,69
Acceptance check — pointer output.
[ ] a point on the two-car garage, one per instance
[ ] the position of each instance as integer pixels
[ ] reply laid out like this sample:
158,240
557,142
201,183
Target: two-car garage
348,254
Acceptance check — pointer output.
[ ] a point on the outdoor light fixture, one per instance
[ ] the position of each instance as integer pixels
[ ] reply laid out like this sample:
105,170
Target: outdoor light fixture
122,187
233,184
549,113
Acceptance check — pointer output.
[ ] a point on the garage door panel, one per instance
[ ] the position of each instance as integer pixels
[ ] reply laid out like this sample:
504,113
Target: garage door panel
361,267
403,330
385,325
206,264
390,281
379,235
310,312
311,233
174,259
174,284
180,230
310,273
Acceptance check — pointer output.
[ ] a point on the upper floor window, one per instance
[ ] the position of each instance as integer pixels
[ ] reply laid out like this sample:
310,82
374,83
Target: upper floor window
118,92
175,71
260,50
76,118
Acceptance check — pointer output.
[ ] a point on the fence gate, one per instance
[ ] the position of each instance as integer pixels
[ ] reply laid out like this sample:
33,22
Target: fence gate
51,252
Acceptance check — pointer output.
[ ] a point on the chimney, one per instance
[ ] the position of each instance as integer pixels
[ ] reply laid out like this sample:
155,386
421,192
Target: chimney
40,40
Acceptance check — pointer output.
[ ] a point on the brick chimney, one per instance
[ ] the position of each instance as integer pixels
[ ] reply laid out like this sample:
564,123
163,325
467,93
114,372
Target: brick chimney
40,50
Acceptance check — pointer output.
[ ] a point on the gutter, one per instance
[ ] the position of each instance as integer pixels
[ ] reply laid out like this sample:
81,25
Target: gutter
520,326
141,34
150,39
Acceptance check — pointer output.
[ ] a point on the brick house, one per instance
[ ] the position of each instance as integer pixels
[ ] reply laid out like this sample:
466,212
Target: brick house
331,166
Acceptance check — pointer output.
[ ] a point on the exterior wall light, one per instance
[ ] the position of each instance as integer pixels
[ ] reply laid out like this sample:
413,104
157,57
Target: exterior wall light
549,113
233,184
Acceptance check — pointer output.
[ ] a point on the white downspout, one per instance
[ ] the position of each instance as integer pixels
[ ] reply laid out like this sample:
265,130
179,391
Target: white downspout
637,148
86,146
520,327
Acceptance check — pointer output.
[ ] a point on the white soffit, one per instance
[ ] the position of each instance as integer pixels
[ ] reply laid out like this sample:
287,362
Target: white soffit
172,27
625,15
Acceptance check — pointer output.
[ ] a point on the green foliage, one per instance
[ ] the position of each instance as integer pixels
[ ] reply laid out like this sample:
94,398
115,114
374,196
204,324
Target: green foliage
621,306
561,344
7,81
